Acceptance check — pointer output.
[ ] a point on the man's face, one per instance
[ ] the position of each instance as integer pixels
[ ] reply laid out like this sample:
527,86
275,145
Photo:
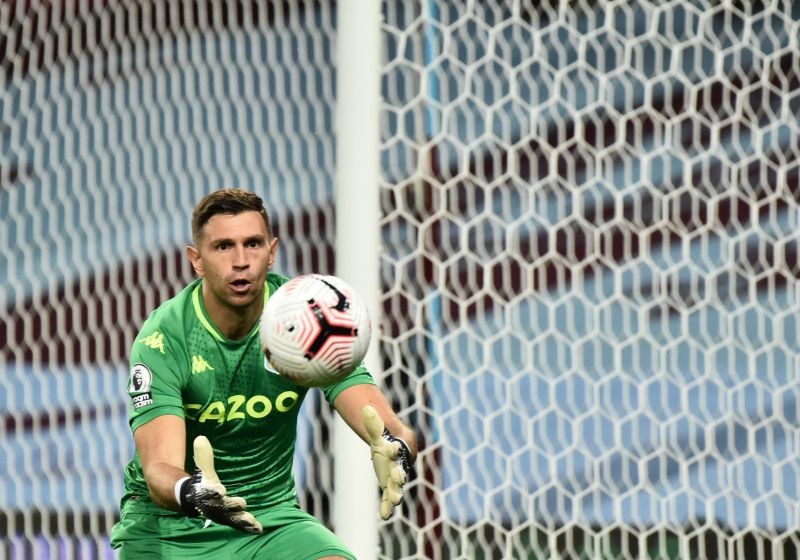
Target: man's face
233,257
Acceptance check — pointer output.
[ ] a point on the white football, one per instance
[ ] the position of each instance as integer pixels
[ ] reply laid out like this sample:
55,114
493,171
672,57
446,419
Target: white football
315,330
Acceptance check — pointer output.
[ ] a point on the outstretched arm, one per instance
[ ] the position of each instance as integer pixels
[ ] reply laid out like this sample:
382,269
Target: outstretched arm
393,445
350,404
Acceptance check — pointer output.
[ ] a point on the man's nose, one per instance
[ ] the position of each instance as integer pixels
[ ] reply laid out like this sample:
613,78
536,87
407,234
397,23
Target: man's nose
240,258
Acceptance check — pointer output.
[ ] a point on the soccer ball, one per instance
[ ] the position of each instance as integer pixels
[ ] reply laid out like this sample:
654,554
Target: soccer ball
315,330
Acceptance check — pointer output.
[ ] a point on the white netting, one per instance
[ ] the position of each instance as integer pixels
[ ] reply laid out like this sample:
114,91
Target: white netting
116,119
590,217
590,221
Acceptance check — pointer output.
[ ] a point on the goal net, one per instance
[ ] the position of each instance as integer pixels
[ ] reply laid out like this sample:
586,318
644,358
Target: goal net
589,257
115,119
590,216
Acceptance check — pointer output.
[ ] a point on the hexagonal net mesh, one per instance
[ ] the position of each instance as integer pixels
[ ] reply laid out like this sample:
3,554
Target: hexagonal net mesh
591,259
117,117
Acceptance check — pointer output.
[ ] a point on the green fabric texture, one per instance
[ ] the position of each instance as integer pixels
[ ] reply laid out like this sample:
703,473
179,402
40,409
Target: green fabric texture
289,534
223,389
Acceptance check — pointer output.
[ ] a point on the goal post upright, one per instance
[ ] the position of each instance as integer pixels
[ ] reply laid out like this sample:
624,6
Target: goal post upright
355,503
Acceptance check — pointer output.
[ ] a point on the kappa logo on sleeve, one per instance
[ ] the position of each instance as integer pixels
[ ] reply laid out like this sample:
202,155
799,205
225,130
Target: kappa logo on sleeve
139,387
154,340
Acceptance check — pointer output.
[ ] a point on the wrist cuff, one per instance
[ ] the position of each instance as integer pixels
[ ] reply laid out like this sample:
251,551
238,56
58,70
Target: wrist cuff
405,451
180,493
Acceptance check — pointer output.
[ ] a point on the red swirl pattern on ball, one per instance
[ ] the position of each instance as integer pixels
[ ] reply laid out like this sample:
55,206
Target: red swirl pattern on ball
316,330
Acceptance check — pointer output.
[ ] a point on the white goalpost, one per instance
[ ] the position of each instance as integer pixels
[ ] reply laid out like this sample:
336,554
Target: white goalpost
355,512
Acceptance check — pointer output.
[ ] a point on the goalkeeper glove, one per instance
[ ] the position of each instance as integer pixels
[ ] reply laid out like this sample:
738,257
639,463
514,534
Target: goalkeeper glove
391,459
203,494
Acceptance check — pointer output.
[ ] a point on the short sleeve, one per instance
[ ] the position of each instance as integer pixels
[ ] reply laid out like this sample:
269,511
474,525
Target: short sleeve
155,383
359,376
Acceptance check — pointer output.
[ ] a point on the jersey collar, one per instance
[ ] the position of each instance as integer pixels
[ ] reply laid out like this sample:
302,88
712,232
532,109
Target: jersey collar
205,320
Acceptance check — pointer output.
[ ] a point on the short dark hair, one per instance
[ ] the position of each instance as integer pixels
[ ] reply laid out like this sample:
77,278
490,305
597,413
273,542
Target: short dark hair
226,201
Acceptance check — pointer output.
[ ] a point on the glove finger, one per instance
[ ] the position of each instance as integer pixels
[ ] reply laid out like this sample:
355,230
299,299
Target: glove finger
373,423
204,459
208,494
392,450
234,503
393,494
212,488
382,472
245,521
386,507
398,476
221,515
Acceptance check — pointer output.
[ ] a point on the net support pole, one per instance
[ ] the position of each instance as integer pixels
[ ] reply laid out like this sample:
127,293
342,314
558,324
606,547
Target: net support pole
355,504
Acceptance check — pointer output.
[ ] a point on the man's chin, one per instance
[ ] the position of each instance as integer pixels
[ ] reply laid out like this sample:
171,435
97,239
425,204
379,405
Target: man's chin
241,299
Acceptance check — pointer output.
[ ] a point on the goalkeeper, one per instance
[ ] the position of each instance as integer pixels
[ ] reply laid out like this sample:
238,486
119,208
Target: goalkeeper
215,428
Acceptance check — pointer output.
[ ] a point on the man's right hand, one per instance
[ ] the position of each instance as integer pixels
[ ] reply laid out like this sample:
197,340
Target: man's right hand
203,494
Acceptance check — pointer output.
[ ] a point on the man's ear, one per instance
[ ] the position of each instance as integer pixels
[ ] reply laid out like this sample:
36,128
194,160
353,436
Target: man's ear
194,257
273,251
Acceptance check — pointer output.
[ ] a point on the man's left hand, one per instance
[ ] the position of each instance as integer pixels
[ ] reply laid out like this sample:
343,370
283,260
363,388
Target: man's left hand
391,459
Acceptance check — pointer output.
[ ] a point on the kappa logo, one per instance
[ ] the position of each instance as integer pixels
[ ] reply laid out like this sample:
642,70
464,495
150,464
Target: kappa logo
199,364
154,340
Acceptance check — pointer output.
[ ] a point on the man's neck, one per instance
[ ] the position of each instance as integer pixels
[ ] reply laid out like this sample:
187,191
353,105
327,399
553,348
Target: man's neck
233,322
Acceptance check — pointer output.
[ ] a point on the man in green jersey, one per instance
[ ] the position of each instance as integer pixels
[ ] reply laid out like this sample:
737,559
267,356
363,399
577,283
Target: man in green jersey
197,369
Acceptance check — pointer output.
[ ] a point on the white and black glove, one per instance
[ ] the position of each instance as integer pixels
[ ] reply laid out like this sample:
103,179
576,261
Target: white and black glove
391,459
203,494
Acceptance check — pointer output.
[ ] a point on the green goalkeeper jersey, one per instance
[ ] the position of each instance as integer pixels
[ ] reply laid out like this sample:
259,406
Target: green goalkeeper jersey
224,389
